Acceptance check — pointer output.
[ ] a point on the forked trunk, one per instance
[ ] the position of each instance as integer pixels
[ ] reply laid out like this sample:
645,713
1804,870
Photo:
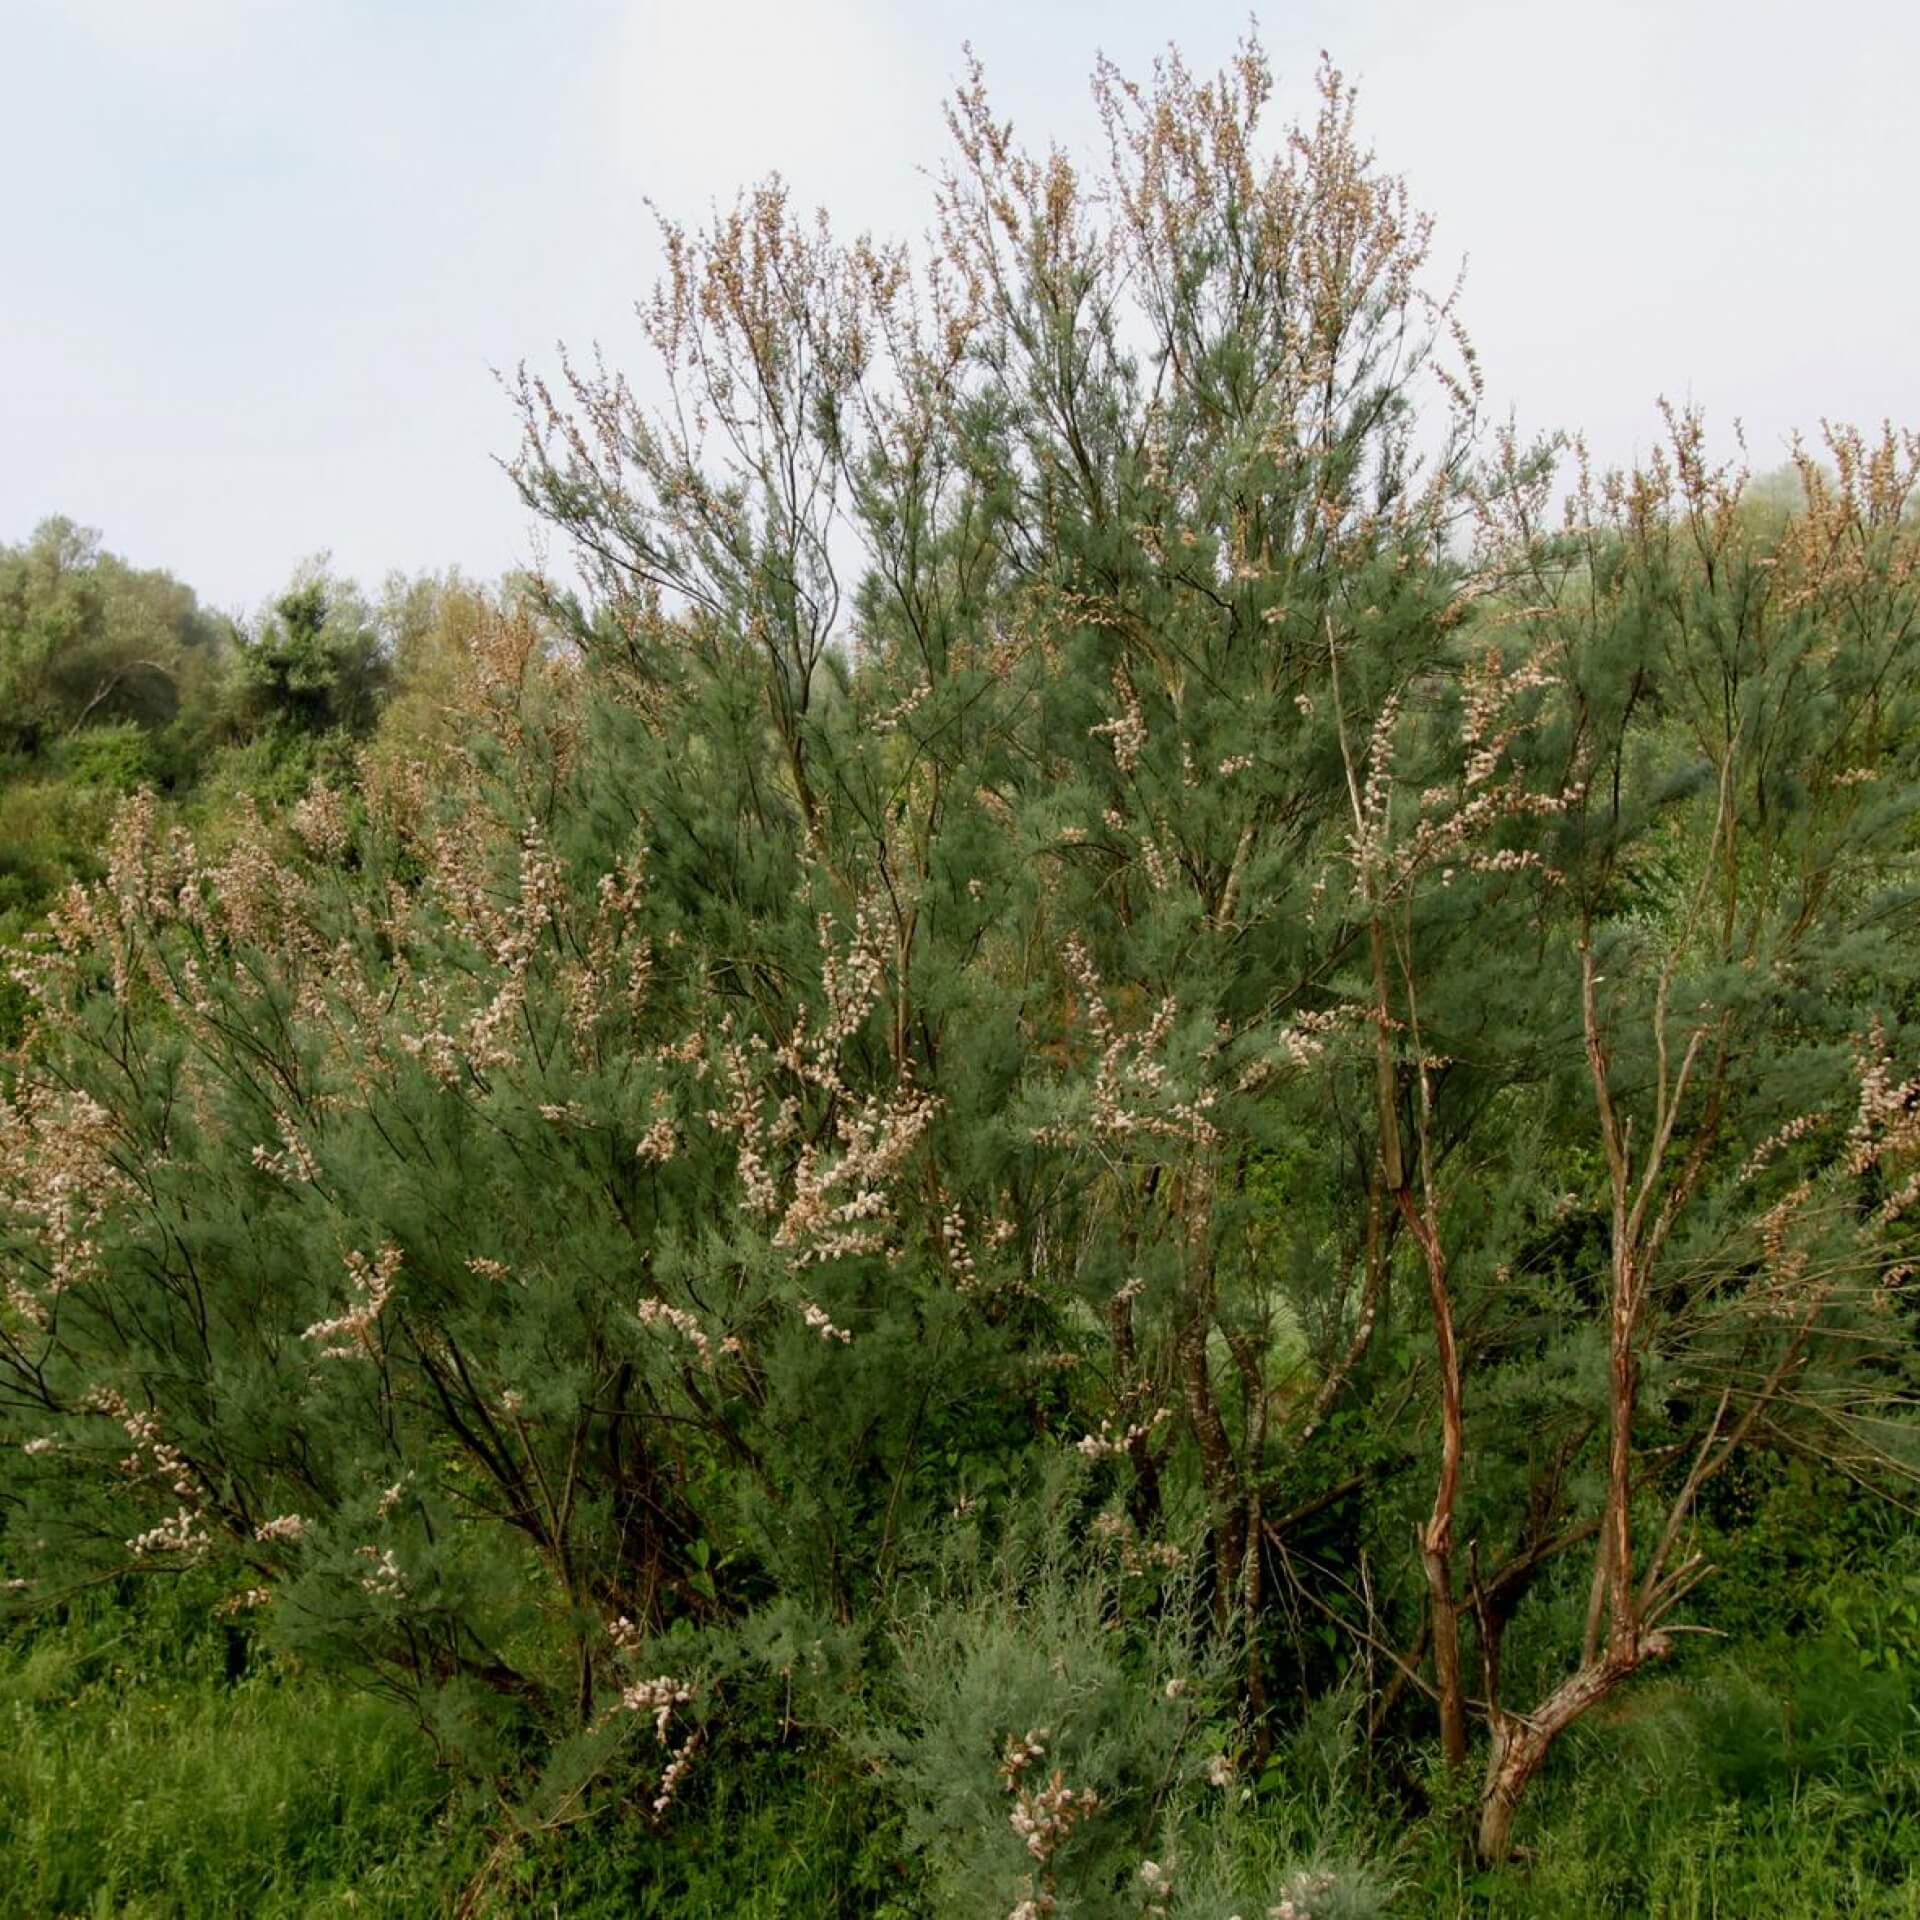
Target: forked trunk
1521,1742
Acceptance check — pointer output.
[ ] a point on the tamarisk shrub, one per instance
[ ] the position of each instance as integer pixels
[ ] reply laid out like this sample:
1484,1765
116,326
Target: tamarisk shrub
1095,872
393,1274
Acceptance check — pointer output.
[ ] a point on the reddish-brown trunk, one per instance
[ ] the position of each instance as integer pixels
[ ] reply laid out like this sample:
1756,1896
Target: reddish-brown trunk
1519,1751
1438,1562
1521,1742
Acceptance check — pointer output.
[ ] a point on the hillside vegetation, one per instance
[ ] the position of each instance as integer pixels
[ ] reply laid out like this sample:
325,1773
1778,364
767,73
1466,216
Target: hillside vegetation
1127,1126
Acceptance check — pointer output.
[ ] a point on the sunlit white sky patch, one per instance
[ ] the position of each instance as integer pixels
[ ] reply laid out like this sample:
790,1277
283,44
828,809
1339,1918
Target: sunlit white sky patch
259,257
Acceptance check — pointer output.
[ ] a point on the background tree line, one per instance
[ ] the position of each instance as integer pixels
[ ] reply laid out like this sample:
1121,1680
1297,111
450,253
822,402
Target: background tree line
113,678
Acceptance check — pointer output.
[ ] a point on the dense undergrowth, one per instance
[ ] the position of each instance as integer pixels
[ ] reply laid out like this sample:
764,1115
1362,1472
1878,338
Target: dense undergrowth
158,1764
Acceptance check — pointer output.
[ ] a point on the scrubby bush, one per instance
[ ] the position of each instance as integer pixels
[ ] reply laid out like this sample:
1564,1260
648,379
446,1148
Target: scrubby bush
1087,887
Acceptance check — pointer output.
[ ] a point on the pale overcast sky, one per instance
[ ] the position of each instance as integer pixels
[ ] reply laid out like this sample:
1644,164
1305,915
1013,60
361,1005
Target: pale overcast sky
257,257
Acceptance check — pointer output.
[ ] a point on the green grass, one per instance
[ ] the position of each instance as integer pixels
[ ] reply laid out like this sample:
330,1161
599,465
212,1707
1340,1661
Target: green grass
1781,1782
137,1778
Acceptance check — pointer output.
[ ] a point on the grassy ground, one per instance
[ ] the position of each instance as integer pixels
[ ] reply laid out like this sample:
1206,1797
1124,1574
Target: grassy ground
137,1779
140,1775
